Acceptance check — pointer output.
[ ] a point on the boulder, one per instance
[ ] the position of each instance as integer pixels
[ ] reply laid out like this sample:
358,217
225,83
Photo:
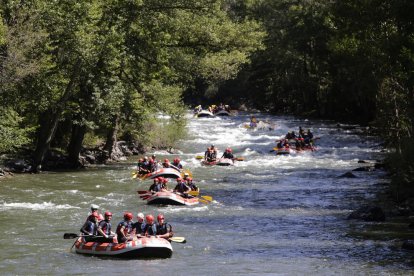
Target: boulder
408,245
348,175
368,213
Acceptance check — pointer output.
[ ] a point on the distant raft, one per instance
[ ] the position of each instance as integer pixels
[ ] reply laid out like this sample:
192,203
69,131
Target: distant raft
204,114
170,198
164,172
145,247
222,113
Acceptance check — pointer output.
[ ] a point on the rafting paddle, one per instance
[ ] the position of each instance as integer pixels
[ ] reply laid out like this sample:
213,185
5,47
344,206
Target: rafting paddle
178,239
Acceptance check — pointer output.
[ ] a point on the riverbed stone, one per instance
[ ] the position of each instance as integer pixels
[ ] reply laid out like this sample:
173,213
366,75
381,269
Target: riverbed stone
408,245
368,213
348,175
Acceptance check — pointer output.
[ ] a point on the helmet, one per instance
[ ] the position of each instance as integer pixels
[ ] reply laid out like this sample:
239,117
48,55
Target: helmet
157,179
140,215
94,207
160,217
149,219
177,160
108,214
228,150
128,216
212,146
167,161
146,157
151,161
95,214
186,174
179,179
164,180
153,156
141,160
189,179
100,217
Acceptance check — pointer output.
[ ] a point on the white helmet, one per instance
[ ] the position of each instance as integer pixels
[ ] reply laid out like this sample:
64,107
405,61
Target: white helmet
94,207
140,215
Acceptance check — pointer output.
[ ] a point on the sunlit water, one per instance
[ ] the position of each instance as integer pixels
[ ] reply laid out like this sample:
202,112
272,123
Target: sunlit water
271,215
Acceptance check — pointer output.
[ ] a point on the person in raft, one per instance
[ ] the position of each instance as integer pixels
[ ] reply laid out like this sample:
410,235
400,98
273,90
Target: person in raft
105,228
150,228
182,188
94,209
166,163
228,154
164,185
124,228
90,227
156,186
138,227
164,230
191,184
177,163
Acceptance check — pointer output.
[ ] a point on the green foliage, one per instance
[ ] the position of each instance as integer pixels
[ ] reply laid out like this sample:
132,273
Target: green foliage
12,135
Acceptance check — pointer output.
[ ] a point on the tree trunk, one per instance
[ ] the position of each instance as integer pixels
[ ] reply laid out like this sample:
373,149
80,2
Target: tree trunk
111,139
48,125
75,145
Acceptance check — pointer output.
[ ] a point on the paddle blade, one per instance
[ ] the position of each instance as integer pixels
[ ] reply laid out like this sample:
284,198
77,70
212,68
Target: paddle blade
239,158
199,157
194,193
143,192
178,239
67,236
204,201
208,198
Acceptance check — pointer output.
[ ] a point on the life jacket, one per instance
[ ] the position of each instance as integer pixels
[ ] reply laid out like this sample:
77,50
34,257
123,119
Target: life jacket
193,186
163,229
139,227
150,229
89,228
105,226
127,228
181,187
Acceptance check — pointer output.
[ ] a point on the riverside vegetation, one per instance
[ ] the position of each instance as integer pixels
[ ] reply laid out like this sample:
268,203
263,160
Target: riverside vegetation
103,71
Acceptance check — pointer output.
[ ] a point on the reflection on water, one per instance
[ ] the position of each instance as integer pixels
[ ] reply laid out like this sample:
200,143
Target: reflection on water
271,215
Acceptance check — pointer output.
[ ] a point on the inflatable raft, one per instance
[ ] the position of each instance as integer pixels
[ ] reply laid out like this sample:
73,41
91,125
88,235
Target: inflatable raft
225,162
164,172
219,162
170,198
222,113
282,151
145,247
204,114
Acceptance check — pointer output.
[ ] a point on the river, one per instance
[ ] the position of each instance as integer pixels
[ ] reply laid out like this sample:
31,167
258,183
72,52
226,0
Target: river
271,215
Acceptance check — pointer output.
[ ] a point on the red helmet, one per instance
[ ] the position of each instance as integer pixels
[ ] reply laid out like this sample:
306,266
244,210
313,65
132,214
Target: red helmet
108,214
151,161
128,216
167,161
157,179
228,150
160,217
177,160
189,179
164,180
179,179
149,219
94,214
